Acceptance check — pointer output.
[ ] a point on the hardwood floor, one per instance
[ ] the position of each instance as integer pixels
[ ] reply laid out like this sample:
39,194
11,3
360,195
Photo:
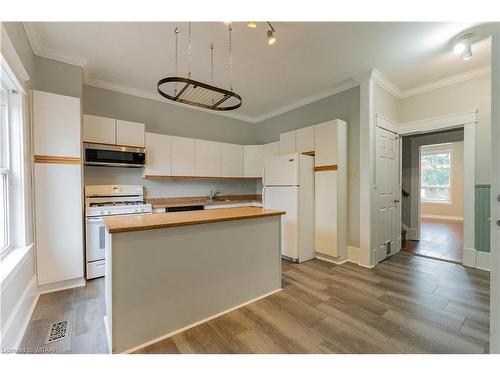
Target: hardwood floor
439,239
407,304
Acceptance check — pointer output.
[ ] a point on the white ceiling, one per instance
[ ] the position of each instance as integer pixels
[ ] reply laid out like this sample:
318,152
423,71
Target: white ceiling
307,60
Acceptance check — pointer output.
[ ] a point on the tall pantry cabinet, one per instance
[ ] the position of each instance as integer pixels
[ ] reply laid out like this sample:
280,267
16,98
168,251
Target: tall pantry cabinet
57,186
330,181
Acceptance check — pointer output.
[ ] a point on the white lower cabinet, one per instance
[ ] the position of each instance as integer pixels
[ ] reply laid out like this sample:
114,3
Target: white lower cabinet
58,219
325,189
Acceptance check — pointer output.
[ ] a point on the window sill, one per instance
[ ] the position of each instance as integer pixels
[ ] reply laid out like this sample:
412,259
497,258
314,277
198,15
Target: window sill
11,261
437,202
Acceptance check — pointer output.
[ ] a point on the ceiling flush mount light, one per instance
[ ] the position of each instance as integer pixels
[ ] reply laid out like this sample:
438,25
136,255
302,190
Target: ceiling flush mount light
462,46
271,34
252,24
188,91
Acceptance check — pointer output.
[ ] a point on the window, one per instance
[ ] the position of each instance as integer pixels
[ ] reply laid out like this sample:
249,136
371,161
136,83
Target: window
435,179
4,172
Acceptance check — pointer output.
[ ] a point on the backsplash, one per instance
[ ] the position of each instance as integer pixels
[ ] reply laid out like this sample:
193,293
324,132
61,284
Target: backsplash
165,188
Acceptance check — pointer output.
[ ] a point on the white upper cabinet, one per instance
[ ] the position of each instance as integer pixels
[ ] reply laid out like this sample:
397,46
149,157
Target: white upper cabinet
326,143
208,157
57,125
232,160
253,159
182,156
158,155
130,133
98,129
270,149
305,139
287,143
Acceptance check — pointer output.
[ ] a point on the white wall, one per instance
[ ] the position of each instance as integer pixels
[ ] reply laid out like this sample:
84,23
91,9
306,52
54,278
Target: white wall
461,97
385,103
456,207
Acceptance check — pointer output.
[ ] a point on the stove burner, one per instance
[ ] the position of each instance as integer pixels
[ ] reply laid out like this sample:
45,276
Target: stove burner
121,203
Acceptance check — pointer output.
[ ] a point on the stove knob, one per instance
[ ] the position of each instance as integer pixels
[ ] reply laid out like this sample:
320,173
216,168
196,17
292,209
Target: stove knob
108,212
101,212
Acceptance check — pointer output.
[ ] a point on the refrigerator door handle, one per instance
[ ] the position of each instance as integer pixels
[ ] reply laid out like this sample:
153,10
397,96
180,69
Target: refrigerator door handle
263,193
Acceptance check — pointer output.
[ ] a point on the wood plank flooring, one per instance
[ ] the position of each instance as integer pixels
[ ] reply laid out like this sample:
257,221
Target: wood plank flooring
440,239
407,304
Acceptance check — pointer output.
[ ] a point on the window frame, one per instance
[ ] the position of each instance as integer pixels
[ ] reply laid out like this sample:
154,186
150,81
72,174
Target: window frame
5,171
423,153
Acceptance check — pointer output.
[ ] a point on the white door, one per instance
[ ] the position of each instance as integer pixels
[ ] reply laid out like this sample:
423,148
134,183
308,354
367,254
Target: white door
326,212
287,199
388,221
282,170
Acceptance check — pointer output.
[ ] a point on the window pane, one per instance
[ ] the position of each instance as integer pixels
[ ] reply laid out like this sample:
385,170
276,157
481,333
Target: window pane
436,177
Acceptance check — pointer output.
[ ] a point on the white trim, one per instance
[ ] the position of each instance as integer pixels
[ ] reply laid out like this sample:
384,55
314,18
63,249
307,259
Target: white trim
108,333
330,259
11,262
387,85
61,285
439,123
15,327
483,260
43,51
102,84
9,53
469,255
412,234
387,124
442,217
452,80
198,323
344,86
353,255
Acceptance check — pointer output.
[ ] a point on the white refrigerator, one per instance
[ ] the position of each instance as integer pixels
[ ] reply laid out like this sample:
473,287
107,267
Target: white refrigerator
289,186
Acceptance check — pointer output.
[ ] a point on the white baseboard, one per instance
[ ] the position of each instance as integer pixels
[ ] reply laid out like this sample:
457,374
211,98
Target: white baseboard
442,217
131,350
476,259
13,331
411,234
108,334
328,258
352,257
483,260
61,285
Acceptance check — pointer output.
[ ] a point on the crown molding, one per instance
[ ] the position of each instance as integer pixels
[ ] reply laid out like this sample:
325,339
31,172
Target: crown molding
387,85
102,84
43,51
346,85
462,77
15,68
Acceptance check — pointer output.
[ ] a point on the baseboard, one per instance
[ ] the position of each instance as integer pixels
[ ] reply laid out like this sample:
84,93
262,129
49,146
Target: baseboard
469,259
13,331
131,350
352,257
477,259
442,217
411,234
61,285
483,260
328,258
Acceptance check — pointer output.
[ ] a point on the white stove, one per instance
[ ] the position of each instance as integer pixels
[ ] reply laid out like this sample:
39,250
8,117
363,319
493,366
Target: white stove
106,200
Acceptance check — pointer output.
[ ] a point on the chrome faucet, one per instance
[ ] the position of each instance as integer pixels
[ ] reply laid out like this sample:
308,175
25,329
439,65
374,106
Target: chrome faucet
213,193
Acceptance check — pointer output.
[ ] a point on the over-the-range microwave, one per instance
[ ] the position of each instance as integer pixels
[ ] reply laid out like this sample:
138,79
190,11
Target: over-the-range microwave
114,156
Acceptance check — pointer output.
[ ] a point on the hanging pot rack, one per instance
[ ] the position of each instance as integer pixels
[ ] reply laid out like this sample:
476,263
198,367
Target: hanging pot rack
198,93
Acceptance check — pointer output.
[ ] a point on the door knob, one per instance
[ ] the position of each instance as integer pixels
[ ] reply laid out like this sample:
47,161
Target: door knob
396,200
498,222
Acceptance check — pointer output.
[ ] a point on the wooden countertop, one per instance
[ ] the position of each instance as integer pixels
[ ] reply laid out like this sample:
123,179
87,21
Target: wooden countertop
120,224
202,201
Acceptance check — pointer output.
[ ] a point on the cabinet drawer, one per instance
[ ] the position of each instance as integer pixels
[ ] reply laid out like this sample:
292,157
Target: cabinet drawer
96,269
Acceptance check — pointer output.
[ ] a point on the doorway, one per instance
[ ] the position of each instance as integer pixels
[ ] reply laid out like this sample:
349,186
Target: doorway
433,180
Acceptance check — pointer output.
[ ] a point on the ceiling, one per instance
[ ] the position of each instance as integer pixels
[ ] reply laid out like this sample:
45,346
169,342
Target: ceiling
308,59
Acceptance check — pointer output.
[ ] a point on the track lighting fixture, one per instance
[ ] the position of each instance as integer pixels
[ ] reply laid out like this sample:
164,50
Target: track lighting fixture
463,47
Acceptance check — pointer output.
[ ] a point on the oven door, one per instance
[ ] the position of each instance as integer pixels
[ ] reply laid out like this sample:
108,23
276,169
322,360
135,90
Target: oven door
96,239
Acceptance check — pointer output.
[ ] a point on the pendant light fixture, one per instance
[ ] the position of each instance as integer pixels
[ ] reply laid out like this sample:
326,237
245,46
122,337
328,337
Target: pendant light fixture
188,91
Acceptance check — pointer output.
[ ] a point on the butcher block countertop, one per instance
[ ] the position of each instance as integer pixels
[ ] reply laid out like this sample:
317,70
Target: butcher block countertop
203,201
120,224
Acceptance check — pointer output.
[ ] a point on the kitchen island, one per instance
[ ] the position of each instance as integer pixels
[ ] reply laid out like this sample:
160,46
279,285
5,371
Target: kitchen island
171,271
